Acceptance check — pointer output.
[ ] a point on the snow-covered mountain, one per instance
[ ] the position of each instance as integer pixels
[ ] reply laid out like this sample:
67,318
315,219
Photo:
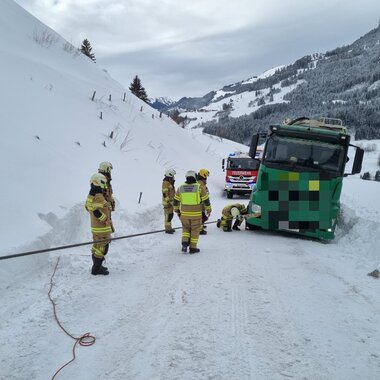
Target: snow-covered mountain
250,305
341,83
161,104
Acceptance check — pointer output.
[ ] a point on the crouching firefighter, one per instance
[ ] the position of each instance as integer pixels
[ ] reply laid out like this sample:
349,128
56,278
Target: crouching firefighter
168,192
188,204
101,224
229,213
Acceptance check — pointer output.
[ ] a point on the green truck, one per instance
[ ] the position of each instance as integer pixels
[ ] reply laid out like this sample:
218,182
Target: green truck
301,176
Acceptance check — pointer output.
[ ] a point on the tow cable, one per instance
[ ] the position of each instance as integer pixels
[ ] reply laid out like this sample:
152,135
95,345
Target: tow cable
28,253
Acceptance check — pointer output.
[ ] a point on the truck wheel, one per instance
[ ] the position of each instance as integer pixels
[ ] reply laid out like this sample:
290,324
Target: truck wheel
230,194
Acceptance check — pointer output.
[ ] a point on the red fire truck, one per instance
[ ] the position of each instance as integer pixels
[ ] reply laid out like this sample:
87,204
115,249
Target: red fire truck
241,173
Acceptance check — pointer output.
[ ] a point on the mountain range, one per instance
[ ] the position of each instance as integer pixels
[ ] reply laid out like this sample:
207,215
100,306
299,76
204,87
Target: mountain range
342,83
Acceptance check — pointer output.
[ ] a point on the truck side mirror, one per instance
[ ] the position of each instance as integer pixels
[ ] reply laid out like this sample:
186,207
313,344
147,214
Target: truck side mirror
223,164
358,160
253,146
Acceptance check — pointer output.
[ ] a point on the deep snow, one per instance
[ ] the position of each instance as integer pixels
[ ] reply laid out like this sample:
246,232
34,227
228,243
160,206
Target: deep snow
251,305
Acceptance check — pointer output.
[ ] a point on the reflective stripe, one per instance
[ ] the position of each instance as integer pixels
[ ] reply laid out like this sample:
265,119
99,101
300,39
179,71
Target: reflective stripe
91,205
189,213
99,230
103,217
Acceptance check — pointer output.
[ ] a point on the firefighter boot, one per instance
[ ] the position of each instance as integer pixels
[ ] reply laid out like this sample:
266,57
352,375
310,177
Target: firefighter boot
171,231
184,247
203,232
97,266
236,226
194,250
218,223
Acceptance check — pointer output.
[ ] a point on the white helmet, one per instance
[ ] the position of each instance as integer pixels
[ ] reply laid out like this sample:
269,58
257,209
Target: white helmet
105,167
235,212
99,180
170,173
191,173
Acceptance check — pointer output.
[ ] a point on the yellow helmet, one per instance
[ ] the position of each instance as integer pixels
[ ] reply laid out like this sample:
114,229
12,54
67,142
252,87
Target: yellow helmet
204,173
99,179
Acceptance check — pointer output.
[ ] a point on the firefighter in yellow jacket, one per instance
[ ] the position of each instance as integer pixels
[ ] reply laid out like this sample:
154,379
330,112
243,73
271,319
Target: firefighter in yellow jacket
101,223
229,213
202,176
105,168
188,203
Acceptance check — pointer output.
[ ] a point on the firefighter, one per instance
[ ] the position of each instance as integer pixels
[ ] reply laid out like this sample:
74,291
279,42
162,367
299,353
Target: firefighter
101,223
168,192
188,204
105,168
229,213
202,180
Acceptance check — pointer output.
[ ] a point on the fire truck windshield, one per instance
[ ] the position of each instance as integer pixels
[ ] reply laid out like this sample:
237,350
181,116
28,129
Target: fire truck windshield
243,163
305,154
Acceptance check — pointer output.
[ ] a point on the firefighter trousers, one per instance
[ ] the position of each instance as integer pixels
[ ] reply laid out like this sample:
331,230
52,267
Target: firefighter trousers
168,211
100,249
190,231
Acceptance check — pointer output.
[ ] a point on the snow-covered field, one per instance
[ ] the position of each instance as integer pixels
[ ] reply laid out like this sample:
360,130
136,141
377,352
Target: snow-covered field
250,305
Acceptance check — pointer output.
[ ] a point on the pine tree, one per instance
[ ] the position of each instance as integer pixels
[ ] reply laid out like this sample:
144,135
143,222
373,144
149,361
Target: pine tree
86,49
137,89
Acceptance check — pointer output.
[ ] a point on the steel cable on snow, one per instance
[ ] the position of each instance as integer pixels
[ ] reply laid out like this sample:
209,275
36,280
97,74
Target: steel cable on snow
28,253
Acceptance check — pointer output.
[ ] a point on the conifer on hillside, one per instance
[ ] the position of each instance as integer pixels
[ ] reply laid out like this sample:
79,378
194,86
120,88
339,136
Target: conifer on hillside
137,89
86,49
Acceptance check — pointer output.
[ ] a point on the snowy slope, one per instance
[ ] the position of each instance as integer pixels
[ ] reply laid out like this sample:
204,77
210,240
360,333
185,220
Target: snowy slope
46,101
251,305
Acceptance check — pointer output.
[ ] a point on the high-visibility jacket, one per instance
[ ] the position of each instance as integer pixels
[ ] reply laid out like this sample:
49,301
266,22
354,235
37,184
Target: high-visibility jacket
168,192
189,200
100,213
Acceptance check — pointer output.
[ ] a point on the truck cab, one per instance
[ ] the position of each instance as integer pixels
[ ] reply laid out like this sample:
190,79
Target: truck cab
301,177
241,173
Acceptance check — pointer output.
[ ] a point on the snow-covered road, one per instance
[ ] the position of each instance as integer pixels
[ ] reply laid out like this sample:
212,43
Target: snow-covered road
250,305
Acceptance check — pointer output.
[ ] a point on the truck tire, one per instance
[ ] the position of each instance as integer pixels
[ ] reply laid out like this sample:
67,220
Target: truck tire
230,194
249,226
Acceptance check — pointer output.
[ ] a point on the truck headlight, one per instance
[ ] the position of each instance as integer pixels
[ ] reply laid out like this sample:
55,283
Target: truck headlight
256,208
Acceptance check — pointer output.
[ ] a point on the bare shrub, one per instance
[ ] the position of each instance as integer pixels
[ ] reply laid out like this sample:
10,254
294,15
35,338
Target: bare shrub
128,139
71,49
44,37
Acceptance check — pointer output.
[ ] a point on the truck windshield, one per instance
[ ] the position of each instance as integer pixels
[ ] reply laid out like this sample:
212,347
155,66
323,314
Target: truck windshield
245,163
315,155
